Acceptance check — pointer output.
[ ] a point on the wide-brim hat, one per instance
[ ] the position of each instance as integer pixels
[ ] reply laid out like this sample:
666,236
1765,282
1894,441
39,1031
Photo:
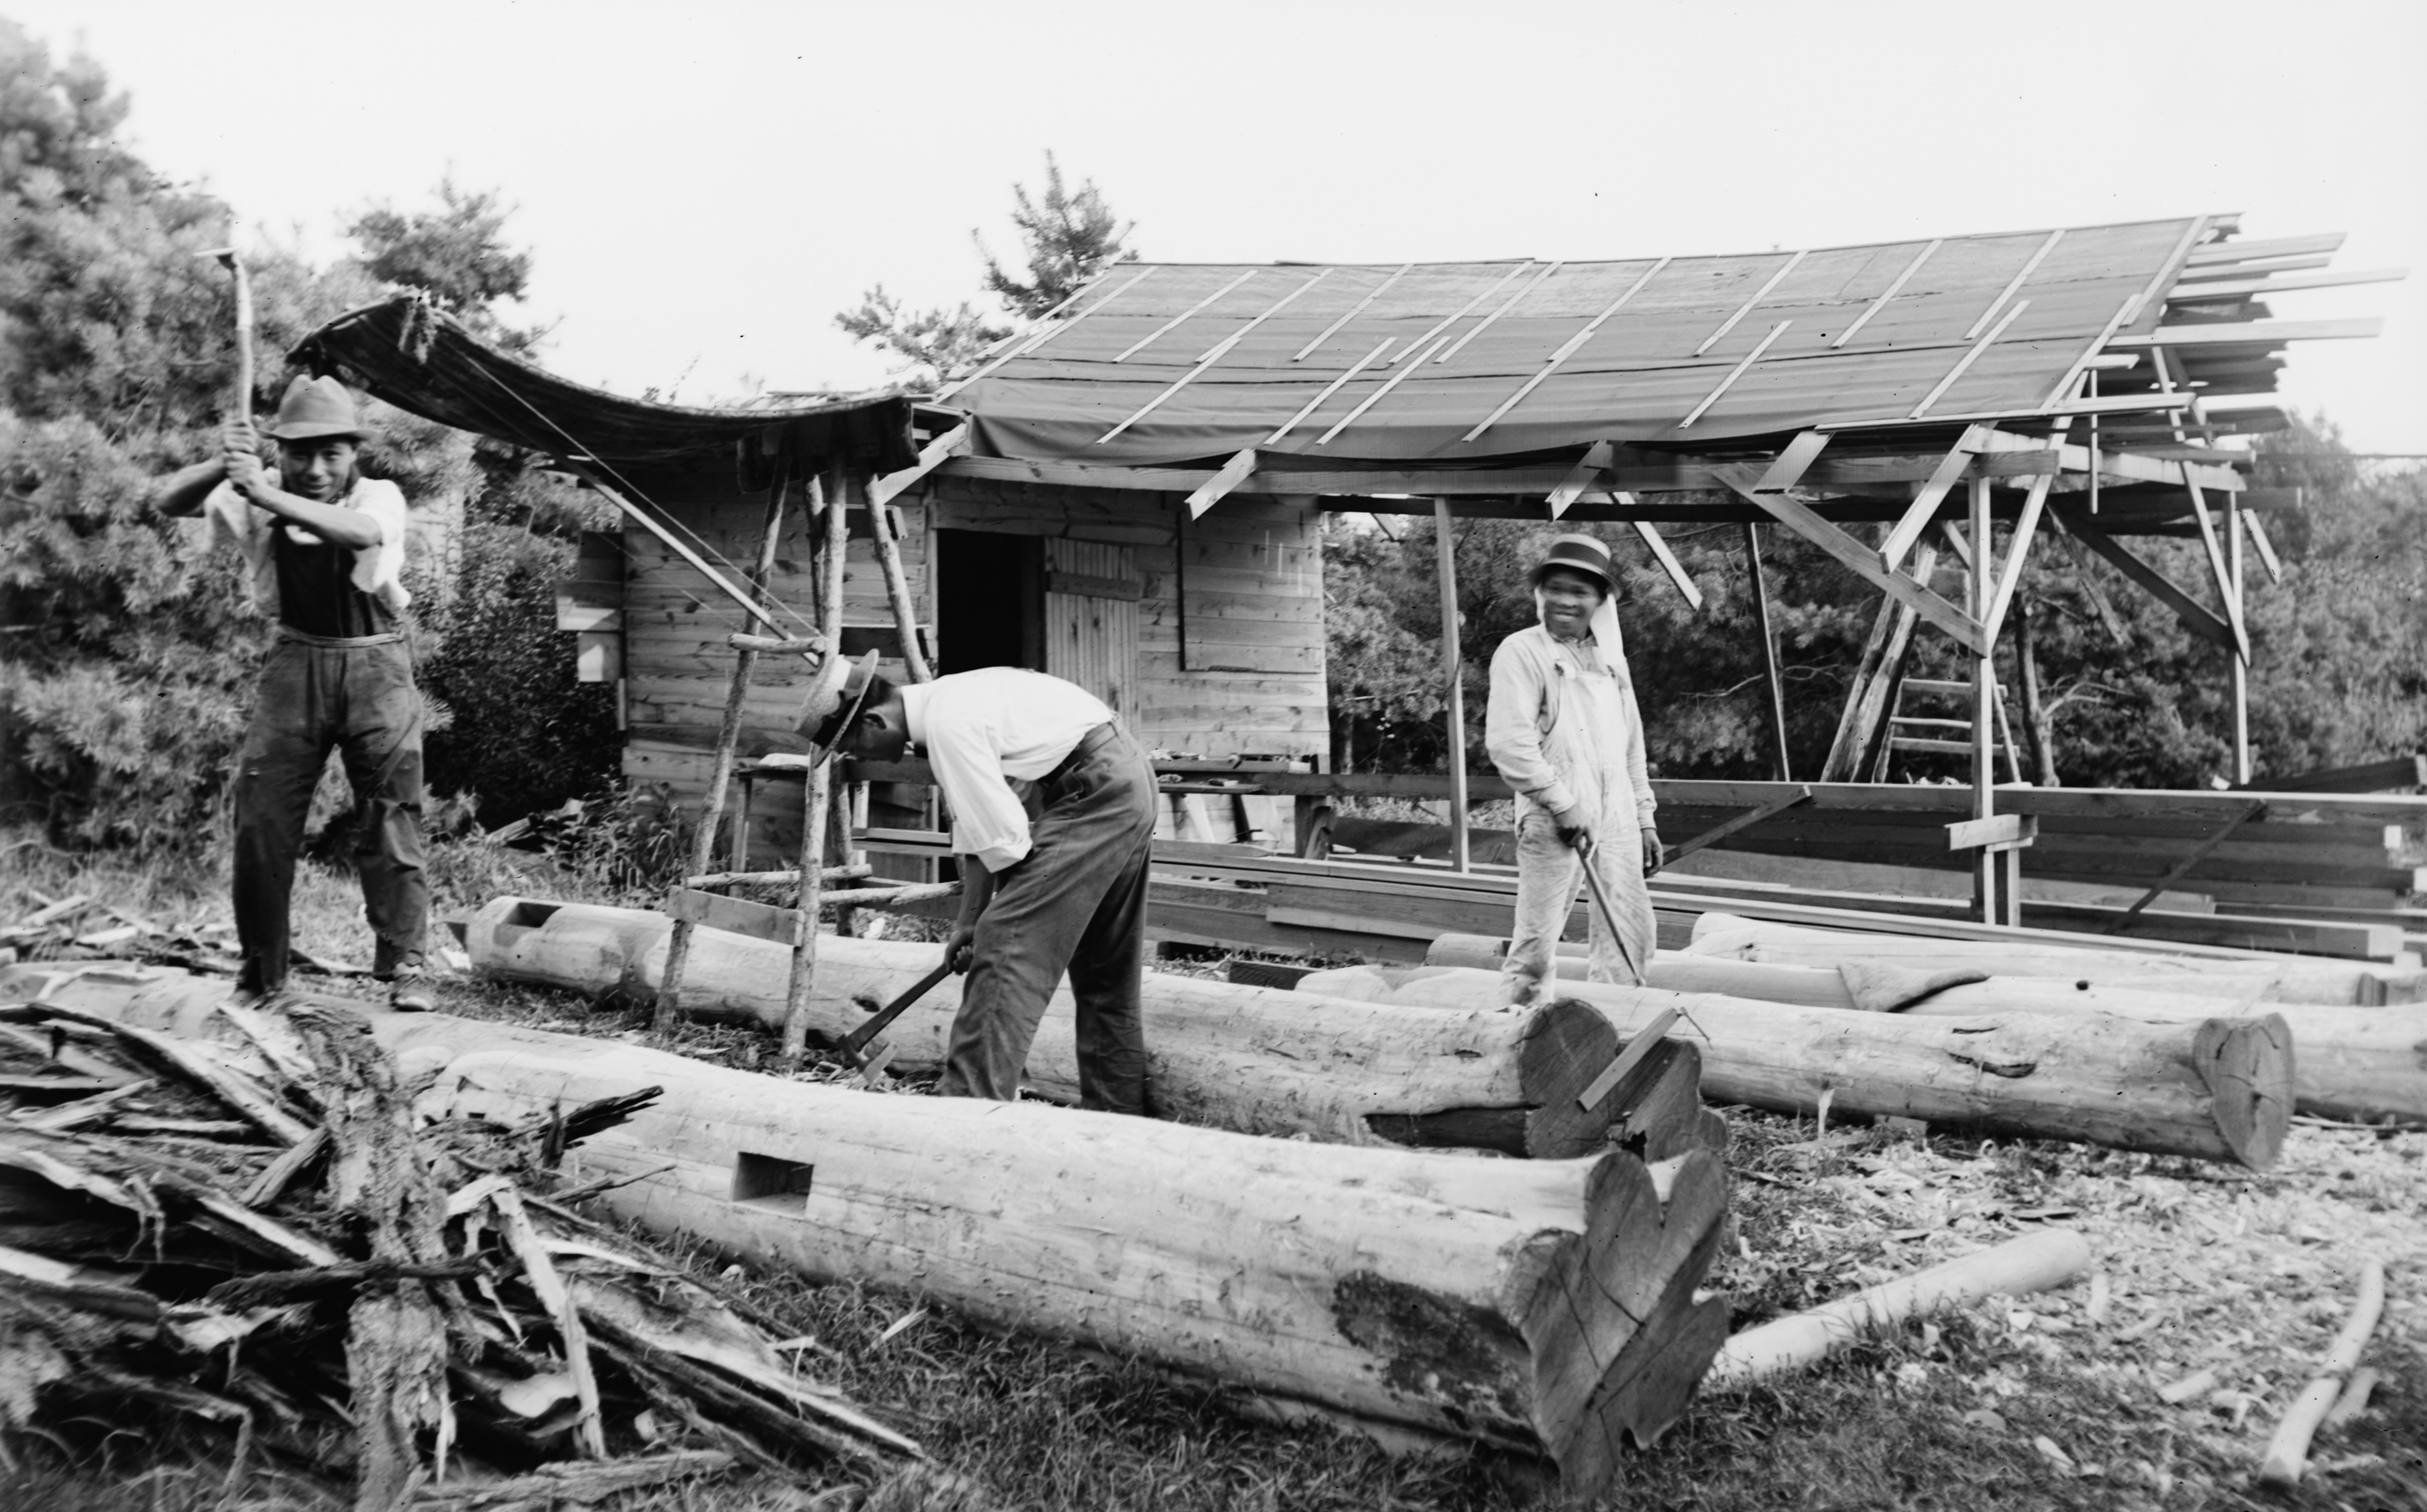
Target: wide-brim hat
835,697
1578,553
316,409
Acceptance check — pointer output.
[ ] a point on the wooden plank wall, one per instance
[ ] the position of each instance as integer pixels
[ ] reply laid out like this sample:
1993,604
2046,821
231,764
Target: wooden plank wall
1251,678
677,666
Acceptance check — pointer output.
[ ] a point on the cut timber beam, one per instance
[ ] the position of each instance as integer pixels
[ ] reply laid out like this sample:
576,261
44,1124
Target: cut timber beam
1863,561
1745,821
1234,473
2262,287
1580,477
1669,562
1549,1308
1242,1058
931,455
2216,1089
2357,328
2229,251
2194,615
1975,440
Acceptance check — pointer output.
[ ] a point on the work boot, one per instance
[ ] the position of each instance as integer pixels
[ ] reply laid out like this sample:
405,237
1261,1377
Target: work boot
408,990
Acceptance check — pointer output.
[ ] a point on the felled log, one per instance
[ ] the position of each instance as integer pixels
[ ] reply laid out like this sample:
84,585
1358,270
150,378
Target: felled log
2362,1063
1250,1059
1549,1308
2035,1262
2217,1089
2267,979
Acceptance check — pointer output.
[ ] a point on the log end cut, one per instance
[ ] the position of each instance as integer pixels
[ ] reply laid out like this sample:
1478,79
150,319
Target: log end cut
1654,1111
2246,1064
1619,1327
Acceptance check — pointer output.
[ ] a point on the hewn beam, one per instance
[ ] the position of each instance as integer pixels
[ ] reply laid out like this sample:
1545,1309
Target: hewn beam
1860,560
1975,439
2193,614
931,455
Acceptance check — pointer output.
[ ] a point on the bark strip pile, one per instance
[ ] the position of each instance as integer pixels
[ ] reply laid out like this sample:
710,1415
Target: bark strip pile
1250,1059
1547,1307
253,1225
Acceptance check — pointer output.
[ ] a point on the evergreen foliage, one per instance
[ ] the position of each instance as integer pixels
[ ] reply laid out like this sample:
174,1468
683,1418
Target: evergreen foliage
1070,236
127,647
2340,648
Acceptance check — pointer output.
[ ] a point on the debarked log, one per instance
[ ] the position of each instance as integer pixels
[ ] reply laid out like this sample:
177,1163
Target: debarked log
2365,1064
1256,1060
2262,978
1550,1308
2217,1089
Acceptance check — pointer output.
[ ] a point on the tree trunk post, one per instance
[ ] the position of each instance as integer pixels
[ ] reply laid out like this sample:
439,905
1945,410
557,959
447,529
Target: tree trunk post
1768,651
728,735
817,794
1445,554
2037,729
2242,763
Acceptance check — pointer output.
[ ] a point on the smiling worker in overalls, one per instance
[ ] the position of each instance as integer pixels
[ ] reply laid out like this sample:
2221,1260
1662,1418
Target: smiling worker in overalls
1564,730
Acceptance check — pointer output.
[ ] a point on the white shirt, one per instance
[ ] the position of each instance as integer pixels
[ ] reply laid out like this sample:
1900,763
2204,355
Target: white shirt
377,568
978,729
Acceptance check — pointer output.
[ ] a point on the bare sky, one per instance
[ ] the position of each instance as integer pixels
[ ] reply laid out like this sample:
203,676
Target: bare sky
703,185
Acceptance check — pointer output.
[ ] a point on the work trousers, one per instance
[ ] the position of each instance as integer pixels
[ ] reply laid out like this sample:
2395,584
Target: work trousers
358,697
1075,903
1548,874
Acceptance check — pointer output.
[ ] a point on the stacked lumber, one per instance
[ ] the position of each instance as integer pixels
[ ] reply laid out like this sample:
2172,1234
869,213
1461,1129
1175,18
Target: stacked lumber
1549,1308
259,1231
1249,1059
2214,1088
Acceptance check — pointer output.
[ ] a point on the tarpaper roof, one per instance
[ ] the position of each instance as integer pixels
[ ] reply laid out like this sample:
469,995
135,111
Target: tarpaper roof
422,360
1630,351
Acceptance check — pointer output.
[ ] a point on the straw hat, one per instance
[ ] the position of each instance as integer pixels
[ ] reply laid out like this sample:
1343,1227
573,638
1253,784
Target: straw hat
1578,553
835,694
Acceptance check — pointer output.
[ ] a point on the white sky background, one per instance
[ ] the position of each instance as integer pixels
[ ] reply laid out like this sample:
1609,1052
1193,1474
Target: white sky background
703,185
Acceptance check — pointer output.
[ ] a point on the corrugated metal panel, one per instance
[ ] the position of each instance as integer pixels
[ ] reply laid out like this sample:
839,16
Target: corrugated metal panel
1092,640
1640,372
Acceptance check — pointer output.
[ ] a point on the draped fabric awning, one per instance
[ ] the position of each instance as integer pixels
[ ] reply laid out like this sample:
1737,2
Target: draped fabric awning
423,360
1161,363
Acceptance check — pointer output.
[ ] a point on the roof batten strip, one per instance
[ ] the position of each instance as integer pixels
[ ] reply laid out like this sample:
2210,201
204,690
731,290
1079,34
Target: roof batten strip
1738,371
1268,315
1152,336
1354,311
1449,320
1330,389
1567,349
2081,364
1758,295
1375,397
1890,292
2029,268
1484,324
1221,349
1971,355
1039,338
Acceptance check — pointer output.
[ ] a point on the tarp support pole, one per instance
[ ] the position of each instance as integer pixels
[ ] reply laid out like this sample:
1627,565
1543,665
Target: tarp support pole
1445,554
2239,661
1769,650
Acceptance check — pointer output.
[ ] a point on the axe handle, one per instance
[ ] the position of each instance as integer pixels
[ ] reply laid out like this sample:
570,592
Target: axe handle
1586,846
856,1041
242,409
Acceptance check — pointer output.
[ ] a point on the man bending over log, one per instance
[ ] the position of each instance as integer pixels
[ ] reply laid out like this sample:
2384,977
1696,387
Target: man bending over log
323,547
1563,728
1066,891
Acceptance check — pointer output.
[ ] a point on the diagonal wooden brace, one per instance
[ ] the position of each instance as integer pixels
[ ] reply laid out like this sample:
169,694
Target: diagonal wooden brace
1860,560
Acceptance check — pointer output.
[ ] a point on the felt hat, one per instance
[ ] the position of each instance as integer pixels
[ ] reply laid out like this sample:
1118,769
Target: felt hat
1578,553
316,408
835,695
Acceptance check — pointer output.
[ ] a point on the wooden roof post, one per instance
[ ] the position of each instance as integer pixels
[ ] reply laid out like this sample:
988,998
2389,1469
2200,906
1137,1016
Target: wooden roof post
2240,659
1768,648
816,796
1445,554
1996,905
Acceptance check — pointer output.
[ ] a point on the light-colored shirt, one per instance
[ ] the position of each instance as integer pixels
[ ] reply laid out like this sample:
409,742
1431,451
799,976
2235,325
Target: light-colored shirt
980,730
379,569
1549,733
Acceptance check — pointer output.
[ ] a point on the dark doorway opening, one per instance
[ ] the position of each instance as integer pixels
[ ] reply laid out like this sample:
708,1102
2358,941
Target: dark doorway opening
990,601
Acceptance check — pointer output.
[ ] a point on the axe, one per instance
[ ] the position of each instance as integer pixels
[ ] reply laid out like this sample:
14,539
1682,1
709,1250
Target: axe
228,260
856,1048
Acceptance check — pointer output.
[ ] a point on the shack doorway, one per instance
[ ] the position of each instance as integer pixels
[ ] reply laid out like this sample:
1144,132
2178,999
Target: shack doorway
990,601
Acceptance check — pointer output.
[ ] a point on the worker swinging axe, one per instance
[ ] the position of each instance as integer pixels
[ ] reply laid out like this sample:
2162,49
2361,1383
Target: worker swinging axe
856,1048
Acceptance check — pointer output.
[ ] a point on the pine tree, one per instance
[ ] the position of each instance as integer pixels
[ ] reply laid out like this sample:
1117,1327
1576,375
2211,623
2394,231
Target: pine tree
1070,237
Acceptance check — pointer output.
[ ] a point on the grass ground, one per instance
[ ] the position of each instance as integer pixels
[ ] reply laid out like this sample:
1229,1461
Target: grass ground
2046,1402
